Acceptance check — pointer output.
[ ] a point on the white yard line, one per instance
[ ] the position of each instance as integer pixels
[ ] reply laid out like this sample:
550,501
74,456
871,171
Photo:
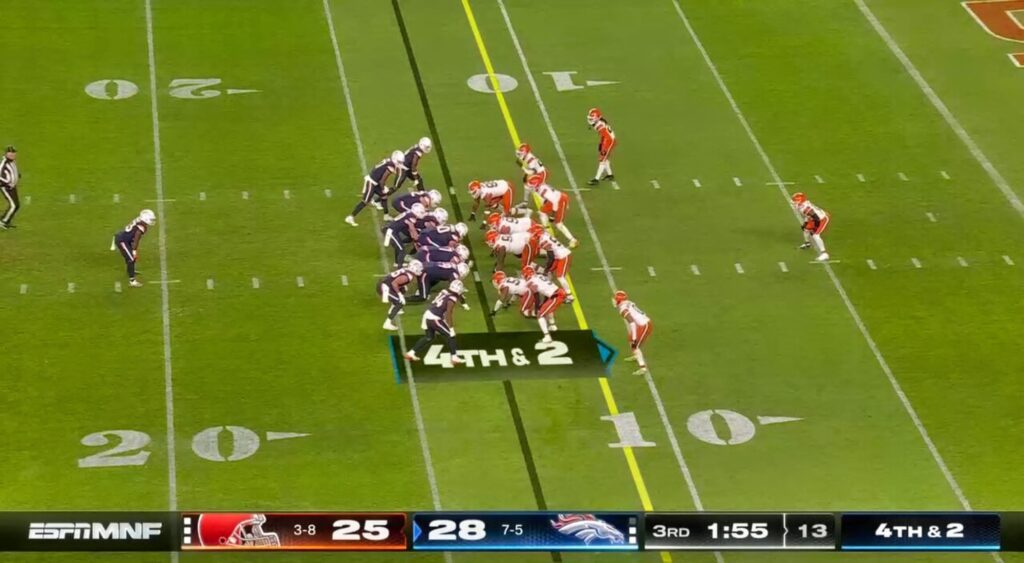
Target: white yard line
662,412
413,393
954,124
869,340
165,309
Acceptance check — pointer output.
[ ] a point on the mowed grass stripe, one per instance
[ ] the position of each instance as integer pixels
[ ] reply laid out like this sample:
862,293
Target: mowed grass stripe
513,404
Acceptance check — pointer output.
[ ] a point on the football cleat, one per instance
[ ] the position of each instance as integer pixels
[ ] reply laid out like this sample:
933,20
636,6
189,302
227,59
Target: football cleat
547,338
552,327
147,216
411,356
805,246
569,298
610,177
426,145
456,360
641,371
377,205
388,325
823,257
592,182
135,283
351,221
574,243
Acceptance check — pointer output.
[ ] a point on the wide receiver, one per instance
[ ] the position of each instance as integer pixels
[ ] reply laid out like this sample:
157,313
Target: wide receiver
815,220
638,327
605,144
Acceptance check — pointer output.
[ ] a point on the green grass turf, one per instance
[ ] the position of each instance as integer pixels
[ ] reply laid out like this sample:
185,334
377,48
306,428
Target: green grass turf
822,93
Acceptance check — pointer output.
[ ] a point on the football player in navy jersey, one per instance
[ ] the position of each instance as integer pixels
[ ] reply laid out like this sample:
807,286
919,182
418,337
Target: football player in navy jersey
443,236
433,254
432,219
375,187
430,200
392,290
438,319
127,242
402,231
438,272
411,163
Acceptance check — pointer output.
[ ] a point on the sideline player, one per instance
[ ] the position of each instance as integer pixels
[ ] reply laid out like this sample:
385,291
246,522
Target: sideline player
555,203
9,176
392,290
605,144
374,185
638,327
127,242
815,221
437,319
411,163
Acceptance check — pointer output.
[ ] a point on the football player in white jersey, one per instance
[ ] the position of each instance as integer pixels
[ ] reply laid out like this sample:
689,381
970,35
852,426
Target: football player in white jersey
549,296
638,327
511,288
555,205
815,221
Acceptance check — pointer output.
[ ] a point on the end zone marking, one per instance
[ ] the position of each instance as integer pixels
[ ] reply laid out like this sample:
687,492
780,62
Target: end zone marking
861,178
117,287
72,198
24,288
737,181
915,262
327,193
695,269
287,194
871,264
344,281
656,185
615,185
783,267
300,282
650,270
819,179
960,260
209,283
245,195
931,217
71,287
696,183
944,174
117,198
739,268
202,196
903,177
1007,259
255,283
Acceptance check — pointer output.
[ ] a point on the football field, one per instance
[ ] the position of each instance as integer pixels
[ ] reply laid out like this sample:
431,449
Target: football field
250,372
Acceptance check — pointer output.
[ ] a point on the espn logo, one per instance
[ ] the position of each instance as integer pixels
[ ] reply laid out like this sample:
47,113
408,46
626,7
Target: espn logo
94,530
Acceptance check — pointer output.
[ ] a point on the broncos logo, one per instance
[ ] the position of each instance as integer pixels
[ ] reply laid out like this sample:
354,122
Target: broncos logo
587,528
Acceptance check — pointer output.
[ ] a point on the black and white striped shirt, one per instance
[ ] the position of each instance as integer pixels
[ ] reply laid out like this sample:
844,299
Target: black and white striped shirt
9,173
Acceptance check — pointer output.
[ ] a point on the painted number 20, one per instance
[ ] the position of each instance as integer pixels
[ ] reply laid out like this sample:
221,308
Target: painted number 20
127,447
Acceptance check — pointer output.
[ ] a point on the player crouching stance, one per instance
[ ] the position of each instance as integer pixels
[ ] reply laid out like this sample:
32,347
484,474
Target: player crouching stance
639,327
605,144
127,242
375,190
559,257
392,290
509,289
815,221
555,203
549,296
437,319
493,194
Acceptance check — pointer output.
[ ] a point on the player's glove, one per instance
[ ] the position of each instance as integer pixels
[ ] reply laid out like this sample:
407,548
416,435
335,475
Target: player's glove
401,299
135,255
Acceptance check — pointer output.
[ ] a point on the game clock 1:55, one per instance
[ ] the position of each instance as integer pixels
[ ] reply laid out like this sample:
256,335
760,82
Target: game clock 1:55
678,531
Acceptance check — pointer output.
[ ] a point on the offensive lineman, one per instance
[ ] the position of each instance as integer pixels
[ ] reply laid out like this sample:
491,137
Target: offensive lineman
549,297
492,194
638,328
437,319
374,185
605,144
509,289
127,242
392,290
815,221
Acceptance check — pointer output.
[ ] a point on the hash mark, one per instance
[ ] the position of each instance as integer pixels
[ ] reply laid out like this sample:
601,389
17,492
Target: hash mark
287,194
739,268
245,195
871,264
915,262
344,281
71,287
736,181
903,177
695,269
209,283
255,283
783,267
300,282
650,270
72,198
696,183
615,185
28,199
117,198
117,287
451,190
960,260
202,196
656,185
609,268
24,288
861,178
931,217
819,179
476,276
1008,260
944,174
327,192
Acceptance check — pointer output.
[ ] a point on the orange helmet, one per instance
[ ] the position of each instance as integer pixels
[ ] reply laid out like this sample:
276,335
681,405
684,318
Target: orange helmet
799,198
593,116
528,272
474,186
493,219
491,237
497,278
536,229
522,151
620,296
534,181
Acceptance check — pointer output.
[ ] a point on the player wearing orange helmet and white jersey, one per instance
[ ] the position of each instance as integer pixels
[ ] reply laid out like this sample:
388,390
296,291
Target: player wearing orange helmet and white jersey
549,296
505,224
605,144
521,245
555,203
531,165
492,194
815,220
509,289
639,327
559,257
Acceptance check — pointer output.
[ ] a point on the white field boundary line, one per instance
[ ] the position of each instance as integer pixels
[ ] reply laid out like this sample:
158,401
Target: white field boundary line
950,479
951,120
165,311
417,412
683,467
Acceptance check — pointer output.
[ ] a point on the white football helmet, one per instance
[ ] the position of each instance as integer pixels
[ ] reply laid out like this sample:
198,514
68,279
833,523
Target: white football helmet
147,216
397,158
426,145
463,269
456,287
418,210
462,251
435,197
462,229
441,215
415,266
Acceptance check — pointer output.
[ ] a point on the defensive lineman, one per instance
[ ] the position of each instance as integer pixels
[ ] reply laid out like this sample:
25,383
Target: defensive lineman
9,176
374,185
127,242
437,319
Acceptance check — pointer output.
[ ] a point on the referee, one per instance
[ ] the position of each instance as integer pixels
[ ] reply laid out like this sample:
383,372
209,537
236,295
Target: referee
9,177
